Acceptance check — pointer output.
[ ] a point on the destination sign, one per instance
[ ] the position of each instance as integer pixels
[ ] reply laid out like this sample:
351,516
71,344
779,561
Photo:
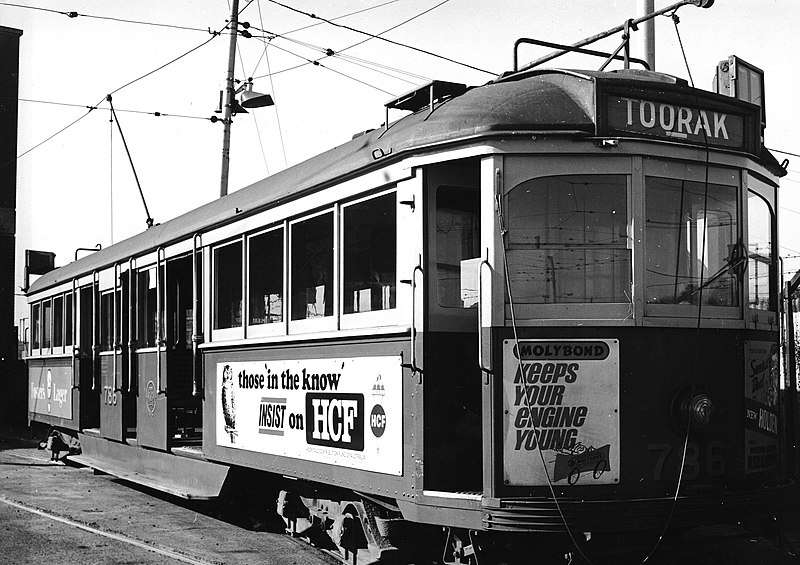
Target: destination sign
675,123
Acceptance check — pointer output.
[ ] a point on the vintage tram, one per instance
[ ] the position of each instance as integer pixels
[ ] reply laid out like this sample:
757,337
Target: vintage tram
547,305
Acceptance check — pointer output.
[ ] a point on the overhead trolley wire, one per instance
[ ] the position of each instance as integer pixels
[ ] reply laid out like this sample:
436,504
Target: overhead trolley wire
156,114
72,14
363,63
369,64
265,57
179,57
318,64
374,36
340,17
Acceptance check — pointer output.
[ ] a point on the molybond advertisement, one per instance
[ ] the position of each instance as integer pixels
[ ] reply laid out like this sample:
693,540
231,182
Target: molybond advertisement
345,412
561,398
761,382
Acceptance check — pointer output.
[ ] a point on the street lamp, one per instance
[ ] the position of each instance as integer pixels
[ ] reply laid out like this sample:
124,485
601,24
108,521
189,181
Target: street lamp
249,99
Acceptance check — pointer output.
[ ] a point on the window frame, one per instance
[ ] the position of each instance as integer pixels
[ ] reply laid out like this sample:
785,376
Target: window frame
357,320
322,323
36,328
520,168
768,194
236,332
692,172
276,328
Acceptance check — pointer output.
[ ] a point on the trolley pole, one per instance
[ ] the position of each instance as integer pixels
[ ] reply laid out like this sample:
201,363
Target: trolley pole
229,99
645,43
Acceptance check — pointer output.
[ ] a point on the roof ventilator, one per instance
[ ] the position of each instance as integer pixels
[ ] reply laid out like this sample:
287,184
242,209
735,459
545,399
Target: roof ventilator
425,95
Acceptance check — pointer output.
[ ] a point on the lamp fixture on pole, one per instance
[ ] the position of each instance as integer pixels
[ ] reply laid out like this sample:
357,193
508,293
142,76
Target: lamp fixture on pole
249,99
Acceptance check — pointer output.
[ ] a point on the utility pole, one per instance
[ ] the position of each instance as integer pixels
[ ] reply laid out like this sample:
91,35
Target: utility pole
230,91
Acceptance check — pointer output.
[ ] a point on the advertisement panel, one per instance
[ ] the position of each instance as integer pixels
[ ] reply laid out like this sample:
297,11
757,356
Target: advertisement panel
761,382
344,411
561,408
50,391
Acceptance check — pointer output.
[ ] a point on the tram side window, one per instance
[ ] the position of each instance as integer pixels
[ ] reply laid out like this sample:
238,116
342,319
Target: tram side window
458,240
312,267
265,278
228,286
35,325
68,319
47,318
106,321
691,242
567,240
759,251
146,304
58,321
370,249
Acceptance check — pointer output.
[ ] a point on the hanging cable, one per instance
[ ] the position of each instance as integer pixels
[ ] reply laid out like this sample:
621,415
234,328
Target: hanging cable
318,64
178,58
676,20
503,232
265,56
156,114
341,17
698,325
370,65
125,144
373,36
73,15
65,128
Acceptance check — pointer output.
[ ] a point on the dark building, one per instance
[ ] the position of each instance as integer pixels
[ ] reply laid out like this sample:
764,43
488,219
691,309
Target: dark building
12,377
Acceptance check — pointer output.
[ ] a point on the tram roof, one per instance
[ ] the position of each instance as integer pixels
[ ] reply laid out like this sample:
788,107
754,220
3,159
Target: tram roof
523,103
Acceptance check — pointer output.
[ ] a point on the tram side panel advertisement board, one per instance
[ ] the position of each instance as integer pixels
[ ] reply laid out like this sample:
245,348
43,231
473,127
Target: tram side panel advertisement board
50,391
344,411
561,412
761,383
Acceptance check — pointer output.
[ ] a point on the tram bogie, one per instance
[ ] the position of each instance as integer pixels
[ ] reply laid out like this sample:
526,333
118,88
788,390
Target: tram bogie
520,313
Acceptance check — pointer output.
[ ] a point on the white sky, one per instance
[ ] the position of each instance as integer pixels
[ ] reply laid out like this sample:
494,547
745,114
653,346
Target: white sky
67,187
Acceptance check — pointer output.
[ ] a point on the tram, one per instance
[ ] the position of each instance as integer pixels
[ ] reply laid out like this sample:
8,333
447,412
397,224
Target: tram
544,306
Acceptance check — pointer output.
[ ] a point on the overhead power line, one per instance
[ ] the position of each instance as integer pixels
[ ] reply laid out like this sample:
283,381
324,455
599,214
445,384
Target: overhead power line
108,18
156,114
783,152
373,36
354,60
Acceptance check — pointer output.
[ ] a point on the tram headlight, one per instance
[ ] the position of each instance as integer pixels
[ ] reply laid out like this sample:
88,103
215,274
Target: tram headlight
693,409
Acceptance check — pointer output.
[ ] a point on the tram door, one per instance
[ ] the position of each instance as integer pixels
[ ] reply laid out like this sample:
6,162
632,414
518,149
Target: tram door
451,378
115,403
168,414
83,363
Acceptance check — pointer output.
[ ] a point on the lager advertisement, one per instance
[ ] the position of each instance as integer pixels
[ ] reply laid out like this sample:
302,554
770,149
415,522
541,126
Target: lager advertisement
561,408
345,412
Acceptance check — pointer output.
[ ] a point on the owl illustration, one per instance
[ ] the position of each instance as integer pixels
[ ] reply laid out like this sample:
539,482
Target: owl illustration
229,402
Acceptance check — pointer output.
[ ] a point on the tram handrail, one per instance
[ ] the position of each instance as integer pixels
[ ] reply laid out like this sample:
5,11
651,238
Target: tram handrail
76,365
197,336
159,318
617,29
481,364
115,338
131,329
95,290
414,367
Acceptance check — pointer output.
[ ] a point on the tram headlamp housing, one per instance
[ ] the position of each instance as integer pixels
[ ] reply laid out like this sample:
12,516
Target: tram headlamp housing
693,409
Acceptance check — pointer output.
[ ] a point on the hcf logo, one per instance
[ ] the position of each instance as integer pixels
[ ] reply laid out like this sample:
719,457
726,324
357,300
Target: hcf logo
335,420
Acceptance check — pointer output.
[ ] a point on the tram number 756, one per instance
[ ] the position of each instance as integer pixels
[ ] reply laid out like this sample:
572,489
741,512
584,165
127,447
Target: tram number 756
709,458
